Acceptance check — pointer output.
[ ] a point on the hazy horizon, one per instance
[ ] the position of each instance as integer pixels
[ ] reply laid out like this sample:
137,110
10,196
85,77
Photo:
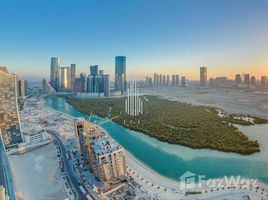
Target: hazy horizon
167,37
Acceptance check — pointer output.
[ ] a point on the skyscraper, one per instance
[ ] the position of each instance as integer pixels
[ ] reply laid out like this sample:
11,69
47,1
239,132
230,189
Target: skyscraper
183,81
94,70
203,76
120,74
160,80
168,80
238,80
54,72
73,71
65,77
164,80
173,80
247,80
45,86
22,88
155,76
94,80
264,81
253,81
106,85
9,115
177,80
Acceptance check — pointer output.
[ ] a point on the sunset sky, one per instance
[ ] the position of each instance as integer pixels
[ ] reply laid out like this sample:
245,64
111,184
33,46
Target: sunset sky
162,36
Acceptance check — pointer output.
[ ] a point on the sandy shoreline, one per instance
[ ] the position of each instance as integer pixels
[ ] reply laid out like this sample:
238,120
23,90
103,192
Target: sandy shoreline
164,188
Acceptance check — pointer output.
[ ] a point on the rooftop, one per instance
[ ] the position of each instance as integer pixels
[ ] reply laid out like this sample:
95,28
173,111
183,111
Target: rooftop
104,145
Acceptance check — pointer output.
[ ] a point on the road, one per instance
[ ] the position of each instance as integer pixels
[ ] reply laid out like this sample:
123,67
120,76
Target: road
5,173
74,178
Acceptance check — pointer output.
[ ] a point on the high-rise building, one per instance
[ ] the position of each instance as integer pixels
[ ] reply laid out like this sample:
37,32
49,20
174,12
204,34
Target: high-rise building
150,81
22,88
183,81
65,78
168,80
155,77
238,80
9,115
101,75
264,82
120,74
247,80
94,70
253,81
81,83
164,80
177,80
203,76
133,102
160,79
45,88
173,80
101,72
54,72
73,74
106,85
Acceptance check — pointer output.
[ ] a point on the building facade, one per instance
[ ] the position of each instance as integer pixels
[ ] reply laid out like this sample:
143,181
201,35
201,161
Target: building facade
9,114
22,88
183,81
54,72
106,84
73,74
203,76
65,76
120,74
105,158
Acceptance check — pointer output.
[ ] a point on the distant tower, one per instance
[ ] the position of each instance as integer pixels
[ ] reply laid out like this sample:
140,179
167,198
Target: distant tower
173,80
238,80
183,81
160,79
253,81
133,102
155,79
9,116
22,87
177,80
203,76
73,74
120,74
164,80
94,70
264,81
247,80
54,72
65,77
106,85
168,81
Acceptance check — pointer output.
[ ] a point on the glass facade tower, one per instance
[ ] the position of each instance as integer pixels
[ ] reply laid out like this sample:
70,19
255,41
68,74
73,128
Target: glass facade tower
120,74
9,114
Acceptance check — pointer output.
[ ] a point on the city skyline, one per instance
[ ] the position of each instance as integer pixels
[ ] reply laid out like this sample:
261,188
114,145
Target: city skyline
190,35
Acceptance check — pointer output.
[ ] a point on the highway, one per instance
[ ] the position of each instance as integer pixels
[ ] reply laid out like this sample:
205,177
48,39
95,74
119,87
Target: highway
73,176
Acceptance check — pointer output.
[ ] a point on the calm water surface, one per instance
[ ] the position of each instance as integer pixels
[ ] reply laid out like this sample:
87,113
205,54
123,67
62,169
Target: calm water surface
173,160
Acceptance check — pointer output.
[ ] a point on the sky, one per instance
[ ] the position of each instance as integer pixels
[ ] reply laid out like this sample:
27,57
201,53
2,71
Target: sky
162,36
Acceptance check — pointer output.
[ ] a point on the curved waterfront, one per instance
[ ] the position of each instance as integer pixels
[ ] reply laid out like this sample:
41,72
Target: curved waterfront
173,160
